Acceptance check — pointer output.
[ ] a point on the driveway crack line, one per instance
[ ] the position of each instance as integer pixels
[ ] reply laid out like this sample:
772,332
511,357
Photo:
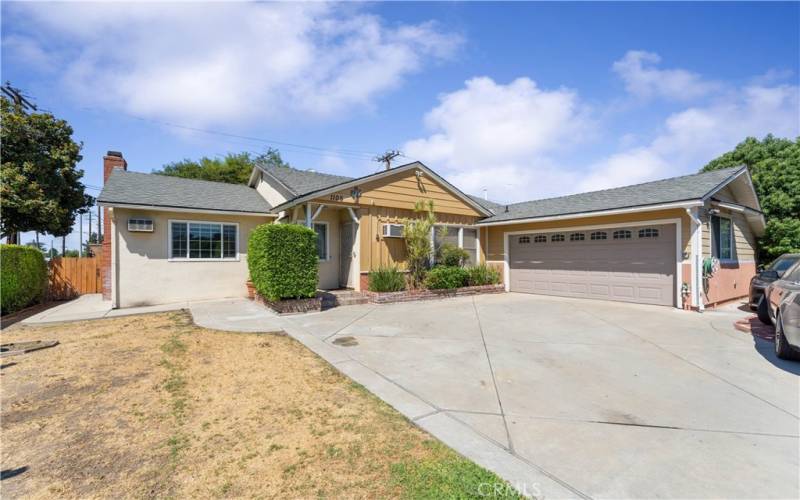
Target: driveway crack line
348,324
648,426
494,380
695,365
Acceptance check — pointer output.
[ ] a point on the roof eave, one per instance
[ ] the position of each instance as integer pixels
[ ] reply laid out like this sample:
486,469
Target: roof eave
168,208
597,213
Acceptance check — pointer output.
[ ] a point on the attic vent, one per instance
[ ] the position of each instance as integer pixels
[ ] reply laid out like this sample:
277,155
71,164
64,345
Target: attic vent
393,230
140,225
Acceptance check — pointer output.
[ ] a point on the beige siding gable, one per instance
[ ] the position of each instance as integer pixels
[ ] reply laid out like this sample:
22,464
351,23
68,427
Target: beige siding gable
402,191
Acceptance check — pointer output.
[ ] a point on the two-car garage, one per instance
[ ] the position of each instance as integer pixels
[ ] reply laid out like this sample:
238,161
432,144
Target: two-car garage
630,263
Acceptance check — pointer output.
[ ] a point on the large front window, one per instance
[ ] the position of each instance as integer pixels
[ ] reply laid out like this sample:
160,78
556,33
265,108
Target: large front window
461,237
203,240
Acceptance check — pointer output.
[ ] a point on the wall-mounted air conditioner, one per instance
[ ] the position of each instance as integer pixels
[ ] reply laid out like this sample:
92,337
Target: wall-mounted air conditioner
393,230
140,225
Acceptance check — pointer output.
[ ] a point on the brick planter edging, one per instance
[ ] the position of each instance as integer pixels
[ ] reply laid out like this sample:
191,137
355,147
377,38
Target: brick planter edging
411,295
291,306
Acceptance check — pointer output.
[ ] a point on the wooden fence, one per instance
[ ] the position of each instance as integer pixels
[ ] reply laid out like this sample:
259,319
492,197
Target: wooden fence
73,276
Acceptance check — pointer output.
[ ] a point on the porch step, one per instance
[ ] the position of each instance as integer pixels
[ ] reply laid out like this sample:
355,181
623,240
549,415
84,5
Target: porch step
336,298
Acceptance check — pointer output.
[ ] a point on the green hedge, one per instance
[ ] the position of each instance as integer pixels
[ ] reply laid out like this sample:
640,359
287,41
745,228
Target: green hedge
387,279
283,262
23,277
482,275
446,277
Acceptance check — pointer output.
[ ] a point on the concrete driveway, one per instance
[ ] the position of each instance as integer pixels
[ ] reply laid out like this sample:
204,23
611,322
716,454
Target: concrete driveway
579,398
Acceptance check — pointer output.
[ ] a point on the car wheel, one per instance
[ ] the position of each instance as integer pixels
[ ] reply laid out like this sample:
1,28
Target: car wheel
782,348
763,311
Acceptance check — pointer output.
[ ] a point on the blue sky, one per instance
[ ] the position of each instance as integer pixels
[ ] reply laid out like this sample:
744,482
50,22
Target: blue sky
525,100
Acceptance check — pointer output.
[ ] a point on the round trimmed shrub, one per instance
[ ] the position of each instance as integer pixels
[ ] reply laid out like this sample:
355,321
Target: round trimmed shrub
283,261
446,277
23,277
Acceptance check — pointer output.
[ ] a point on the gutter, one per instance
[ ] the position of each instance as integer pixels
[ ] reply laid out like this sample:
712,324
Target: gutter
163,208
597,213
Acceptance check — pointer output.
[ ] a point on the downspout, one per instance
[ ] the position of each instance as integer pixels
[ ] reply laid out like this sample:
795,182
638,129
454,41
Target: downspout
697,257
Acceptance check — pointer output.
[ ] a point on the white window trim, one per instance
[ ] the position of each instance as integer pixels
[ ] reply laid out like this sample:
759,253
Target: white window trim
731,259
460,239
187,259
327,238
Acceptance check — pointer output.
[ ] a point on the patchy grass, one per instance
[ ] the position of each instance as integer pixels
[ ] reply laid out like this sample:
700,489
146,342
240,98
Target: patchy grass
153,406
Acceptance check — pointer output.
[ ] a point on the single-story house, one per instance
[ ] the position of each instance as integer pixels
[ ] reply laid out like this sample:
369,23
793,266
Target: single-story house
689,238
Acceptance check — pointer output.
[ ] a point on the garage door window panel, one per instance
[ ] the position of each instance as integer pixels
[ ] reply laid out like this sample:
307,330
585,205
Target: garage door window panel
577,237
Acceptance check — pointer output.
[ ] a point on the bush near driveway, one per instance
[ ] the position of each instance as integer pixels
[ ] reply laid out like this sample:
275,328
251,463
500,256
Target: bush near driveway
23,277
446,277
283,262
387,279
482,275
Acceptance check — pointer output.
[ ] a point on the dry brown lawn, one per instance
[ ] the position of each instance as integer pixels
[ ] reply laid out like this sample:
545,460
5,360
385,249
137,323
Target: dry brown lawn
153,406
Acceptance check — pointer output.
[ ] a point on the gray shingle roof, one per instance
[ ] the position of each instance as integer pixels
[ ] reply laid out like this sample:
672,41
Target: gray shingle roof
136,188
687,187
487,204
300,182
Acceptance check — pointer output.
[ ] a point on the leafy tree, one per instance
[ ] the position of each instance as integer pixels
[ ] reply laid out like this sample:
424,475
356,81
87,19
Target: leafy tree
234,168
774,164
41,184
417,234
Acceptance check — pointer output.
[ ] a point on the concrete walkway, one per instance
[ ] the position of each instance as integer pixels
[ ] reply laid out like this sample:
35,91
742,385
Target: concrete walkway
92,306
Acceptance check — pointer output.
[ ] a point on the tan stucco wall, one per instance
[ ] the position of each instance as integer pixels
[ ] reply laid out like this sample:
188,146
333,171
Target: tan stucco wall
144,275
493,244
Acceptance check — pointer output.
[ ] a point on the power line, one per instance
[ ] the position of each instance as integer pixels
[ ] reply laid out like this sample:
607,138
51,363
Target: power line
355,153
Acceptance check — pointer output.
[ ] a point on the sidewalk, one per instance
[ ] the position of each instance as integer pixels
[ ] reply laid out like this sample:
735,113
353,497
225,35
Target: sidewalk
92,306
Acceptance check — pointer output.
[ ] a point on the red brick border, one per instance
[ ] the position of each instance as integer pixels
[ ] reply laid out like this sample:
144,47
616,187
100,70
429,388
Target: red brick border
423,294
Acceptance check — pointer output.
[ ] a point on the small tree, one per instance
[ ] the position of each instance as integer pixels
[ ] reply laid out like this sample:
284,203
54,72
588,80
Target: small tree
41,185
417,233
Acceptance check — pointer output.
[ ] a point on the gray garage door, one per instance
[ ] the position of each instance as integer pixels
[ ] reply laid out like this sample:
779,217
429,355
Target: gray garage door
631,264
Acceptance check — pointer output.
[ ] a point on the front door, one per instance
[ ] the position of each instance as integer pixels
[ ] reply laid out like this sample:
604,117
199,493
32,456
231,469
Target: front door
346,253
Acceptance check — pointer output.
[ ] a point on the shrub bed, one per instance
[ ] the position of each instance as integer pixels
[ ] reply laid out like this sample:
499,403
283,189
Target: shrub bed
386,279
283,263
446,278
482,275
23,277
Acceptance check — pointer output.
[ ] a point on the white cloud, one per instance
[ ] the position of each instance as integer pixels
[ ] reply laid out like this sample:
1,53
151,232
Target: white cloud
643,79
202,63
523,142
497,136
692,137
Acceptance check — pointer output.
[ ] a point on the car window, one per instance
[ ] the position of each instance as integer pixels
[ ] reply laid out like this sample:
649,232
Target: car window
793,274
781,264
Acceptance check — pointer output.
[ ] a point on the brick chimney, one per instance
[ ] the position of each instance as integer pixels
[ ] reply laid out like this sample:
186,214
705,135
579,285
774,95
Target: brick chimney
112,160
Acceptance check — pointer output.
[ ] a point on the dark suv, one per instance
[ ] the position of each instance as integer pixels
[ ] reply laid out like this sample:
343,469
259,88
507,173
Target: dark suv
767,275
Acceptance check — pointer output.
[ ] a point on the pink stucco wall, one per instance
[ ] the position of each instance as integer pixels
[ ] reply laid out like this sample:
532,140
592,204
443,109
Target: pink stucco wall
732,281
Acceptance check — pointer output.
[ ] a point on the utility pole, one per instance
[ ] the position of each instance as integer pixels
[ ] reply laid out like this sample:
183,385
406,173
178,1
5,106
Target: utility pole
99,231
387,157
16,95
80,236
